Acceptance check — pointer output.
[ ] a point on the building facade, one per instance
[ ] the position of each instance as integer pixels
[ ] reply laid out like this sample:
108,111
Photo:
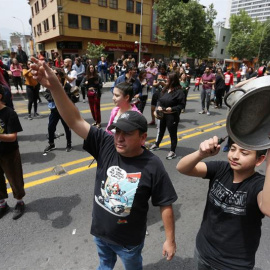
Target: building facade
257,9
66,27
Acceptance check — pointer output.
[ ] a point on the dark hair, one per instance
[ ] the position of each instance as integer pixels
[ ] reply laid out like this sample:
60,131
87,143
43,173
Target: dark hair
258,152
163,65
130,66
141,73
88,74
173,82
126,88
2,92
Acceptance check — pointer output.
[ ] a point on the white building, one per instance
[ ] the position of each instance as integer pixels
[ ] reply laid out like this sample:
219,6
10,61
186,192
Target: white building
259,9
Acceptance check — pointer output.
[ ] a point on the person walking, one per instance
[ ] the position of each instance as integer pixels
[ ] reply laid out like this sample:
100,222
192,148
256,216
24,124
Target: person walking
80,69
32,90
171,102
10,159
21,56
185,88
102,69
144,86
127,176
16,70
219,88
207,81
93,85
228,78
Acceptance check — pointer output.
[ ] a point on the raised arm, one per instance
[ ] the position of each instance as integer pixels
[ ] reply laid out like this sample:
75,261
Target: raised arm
169,246
191,164
264,195
46,77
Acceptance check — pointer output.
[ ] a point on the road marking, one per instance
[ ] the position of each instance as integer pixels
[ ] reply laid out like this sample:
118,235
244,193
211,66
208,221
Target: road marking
87,167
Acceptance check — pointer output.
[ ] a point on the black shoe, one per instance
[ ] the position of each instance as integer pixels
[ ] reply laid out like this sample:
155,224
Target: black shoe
4,210
69,148
49,148
18,210
36,115
29,117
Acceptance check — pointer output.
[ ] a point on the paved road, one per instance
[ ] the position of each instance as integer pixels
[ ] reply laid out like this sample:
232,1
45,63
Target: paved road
54,232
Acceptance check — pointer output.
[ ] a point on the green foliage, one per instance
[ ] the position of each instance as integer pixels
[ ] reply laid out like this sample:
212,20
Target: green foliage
94,51
187,25
247,36
264,50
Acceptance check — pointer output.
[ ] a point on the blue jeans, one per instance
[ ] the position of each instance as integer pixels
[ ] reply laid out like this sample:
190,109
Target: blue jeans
130,255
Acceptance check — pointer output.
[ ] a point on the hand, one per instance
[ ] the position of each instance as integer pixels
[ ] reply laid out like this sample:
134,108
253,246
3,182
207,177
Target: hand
43,74
169,109
169,249
209,147
159,108
137,96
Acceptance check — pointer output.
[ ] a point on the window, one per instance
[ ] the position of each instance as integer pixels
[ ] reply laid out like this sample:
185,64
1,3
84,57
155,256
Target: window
138,7
102,25
114,4
32,10
73,21
113,26
37,7
102,3
35,33
224,37
46,25
43,3
137,29
129,28
53,21
85,1
222,50
86,23
130,5
39,32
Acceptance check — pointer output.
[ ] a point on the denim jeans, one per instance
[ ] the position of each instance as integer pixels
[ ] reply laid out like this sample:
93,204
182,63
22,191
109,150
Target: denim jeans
130,255
205,95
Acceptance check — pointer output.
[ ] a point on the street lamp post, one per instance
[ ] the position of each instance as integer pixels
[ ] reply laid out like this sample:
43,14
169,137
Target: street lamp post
24,42
140,40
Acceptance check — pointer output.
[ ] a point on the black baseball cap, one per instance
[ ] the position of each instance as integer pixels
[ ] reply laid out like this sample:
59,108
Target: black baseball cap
129,121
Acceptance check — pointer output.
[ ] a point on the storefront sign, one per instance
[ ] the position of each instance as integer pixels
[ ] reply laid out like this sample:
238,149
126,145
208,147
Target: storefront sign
71,45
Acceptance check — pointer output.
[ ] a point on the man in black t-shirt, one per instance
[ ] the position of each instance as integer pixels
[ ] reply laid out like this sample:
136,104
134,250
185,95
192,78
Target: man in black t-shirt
127,176
10,159
237,200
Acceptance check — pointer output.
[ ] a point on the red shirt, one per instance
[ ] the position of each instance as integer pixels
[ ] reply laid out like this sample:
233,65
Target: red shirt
228,77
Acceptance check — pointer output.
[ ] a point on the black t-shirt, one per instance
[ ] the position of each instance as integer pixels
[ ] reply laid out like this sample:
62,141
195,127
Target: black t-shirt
123,187
231,228
9,123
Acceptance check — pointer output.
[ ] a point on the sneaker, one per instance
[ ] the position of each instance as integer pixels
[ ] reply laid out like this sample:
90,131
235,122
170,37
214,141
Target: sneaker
152,123
18,210
98,126
36,115
208,113
183,110
226,148
171,155
202,112
154,147
83,101
4,210
49,148
29,117
69,148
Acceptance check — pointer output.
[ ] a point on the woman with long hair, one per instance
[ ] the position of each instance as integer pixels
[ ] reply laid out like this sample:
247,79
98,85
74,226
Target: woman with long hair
145,86
16,70
32,90
122,96
219,88
93,85
185,87
171,102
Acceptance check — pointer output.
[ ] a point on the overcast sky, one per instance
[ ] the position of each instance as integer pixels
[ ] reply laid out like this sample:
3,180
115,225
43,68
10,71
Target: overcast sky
21,10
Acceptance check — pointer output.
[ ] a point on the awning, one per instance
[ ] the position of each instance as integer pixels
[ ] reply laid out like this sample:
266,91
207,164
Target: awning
232,61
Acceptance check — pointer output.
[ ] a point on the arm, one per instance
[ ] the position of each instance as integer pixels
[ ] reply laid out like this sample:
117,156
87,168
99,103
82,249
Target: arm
191,164
169,246
12,137
244,82
70,79
71,115
263,197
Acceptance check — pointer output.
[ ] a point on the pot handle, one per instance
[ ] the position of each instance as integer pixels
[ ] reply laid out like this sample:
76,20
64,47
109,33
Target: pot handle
233,91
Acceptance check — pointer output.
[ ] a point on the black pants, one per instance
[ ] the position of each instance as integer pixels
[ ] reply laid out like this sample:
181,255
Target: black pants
219,93
17,82
53,121
171,122
32,95
142,103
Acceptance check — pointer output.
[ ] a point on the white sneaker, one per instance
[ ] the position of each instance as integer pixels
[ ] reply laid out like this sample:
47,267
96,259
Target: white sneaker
171,155
202,112
83,101
208,113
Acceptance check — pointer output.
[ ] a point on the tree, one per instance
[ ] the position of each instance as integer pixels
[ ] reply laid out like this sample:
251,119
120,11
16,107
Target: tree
186,25
94,51
246,35
263,42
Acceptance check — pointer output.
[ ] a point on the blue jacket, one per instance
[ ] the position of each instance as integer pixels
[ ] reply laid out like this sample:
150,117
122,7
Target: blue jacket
102,67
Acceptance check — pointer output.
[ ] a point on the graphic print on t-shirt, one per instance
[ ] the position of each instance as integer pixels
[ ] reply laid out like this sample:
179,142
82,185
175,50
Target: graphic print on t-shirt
229,202
118,191
2,126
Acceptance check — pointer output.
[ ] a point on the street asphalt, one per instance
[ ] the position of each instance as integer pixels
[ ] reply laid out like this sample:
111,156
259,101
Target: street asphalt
53,234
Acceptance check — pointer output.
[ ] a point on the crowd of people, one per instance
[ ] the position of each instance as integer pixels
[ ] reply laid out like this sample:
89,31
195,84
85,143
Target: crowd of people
128,174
